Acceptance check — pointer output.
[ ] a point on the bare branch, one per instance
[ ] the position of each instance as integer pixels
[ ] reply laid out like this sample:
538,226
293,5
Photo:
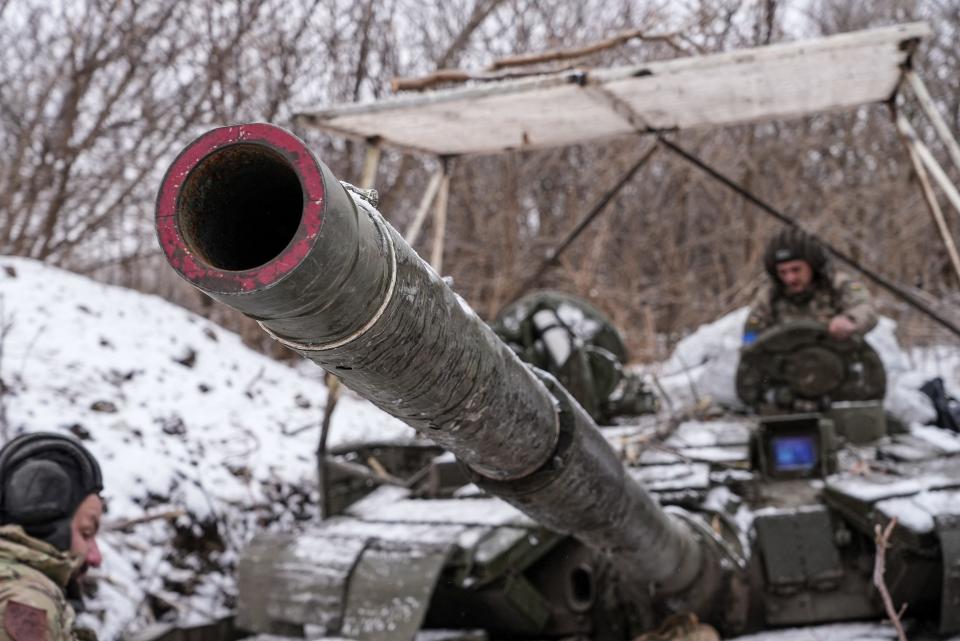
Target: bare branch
882,539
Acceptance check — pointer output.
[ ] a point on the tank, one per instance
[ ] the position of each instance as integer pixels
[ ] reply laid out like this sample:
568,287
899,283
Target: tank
515,516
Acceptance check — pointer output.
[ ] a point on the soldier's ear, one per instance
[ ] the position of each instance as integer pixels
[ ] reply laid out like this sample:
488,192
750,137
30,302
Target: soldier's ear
37,492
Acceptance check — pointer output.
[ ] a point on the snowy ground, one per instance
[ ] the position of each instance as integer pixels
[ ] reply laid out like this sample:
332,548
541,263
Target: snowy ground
204,441
182,417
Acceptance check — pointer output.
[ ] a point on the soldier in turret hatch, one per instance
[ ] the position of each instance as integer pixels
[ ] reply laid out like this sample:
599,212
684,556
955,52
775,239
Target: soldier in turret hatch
804,285
50,509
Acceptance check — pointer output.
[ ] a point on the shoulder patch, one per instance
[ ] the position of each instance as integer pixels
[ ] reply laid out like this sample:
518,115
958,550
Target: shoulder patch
24,623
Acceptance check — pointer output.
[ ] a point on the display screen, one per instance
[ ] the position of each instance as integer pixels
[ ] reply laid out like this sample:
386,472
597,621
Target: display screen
795,453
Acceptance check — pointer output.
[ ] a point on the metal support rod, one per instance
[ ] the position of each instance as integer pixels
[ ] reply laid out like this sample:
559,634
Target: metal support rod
926,102
371,162
413,231
938,173
333,395
554,254
440,219
929,196
897,290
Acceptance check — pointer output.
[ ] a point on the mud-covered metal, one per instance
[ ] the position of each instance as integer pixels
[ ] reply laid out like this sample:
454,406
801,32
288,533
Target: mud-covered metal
804,572
343,581
340,286
586,490
373,611
306,581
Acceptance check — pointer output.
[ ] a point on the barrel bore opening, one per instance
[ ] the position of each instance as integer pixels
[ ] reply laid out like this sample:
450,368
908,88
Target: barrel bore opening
240,207
580,589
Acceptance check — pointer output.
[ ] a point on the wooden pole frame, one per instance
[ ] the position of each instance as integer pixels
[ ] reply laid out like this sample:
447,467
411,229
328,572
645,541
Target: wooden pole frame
440,217
949,189
930,108
413,231
908,137
371,163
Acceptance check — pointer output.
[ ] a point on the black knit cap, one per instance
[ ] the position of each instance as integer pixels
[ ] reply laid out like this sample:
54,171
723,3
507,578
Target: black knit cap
795,244
43,478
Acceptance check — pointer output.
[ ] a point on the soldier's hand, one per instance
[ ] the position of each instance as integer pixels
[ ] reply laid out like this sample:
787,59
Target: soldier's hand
841,327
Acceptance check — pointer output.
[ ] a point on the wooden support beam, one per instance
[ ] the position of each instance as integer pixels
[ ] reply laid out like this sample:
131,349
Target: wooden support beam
440,220
496,70
371,162
930,197
932,165
930,107
579,52
334,389
413,231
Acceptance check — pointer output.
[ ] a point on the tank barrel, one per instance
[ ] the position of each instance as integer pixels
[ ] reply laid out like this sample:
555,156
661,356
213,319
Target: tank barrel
249,216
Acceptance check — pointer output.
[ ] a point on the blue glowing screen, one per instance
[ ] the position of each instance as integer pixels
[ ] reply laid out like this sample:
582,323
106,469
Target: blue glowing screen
794,453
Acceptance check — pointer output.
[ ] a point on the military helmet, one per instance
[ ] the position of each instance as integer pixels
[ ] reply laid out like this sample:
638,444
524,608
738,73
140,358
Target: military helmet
795,244
43,479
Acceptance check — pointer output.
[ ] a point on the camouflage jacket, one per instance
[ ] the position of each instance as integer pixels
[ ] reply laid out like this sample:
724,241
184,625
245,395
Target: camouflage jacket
33,577
844,295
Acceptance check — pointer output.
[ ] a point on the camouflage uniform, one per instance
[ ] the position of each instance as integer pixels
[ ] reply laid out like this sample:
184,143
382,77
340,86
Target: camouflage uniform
843,295
33,577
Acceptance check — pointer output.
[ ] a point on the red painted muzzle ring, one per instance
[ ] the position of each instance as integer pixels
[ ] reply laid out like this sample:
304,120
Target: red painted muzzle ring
177,251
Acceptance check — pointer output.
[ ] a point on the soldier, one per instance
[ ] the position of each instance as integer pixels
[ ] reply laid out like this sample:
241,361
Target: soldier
50,512
803,285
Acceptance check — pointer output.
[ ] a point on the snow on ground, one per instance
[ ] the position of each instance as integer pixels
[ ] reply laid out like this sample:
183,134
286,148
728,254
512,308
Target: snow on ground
182,417
835,632
217,440
704,366
854,631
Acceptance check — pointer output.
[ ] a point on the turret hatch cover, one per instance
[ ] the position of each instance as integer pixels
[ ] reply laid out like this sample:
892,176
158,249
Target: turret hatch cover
799,361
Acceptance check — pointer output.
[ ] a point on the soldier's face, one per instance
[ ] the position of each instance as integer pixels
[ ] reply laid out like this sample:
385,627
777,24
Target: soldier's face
83,531
796,275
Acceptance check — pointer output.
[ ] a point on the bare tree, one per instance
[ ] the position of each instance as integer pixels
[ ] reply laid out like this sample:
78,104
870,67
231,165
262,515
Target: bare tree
97,97
6,326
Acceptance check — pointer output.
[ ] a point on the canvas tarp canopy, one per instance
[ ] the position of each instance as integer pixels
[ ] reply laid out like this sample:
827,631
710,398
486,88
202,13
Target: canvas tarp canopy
748,85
